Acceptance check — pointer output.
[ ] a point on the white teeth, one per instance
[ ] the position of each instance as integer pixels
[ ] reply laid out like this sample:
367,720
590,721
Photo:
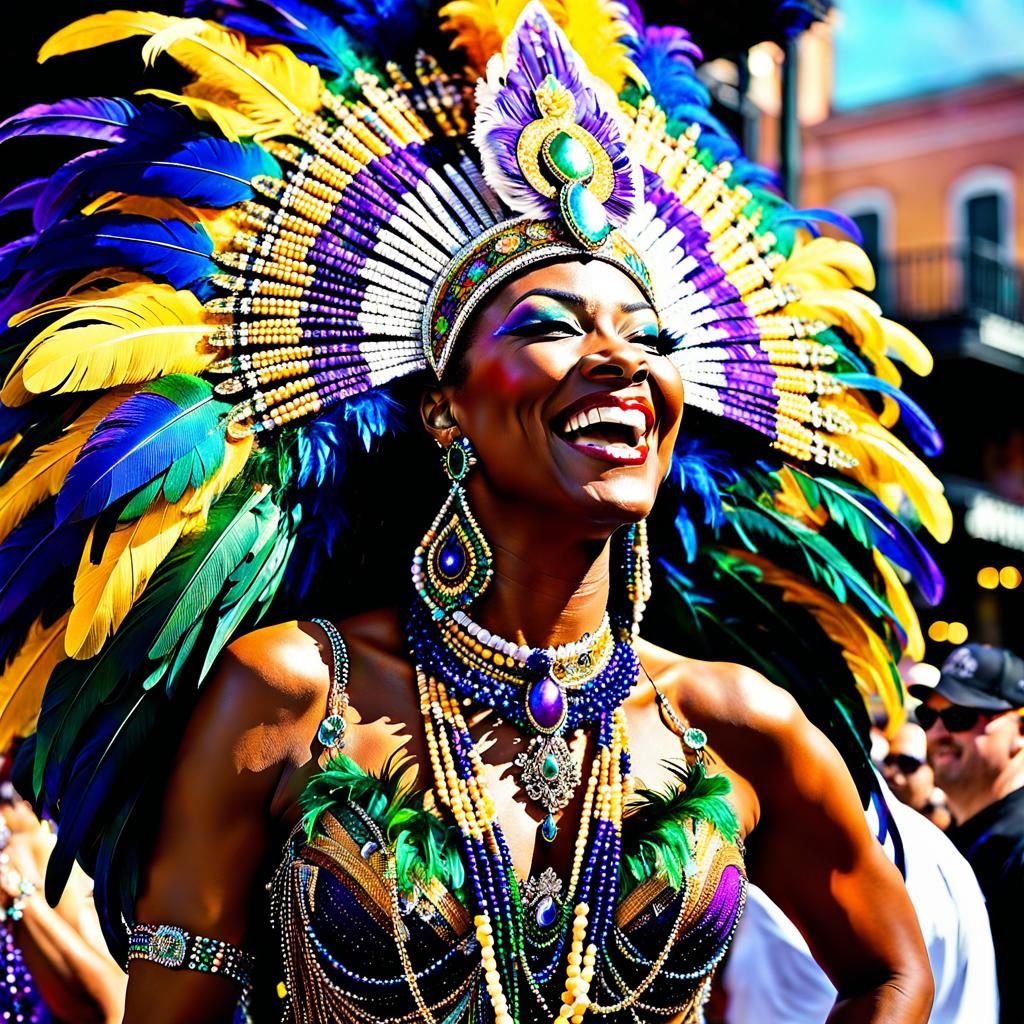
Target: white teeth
633,418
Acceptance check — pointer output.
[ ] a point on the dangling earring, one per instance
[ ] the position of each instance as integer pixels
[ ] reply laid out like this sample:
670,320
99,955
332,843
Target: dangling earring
452,565
637,566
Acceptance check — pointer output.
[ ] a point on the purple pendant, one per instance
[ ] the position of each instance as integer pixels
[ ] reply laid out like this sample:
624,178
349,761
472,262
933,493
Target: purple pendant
545,705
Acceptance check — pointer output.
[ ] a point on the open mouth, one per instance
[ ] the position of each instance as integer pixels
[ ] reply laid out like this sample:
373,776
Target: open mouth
608,428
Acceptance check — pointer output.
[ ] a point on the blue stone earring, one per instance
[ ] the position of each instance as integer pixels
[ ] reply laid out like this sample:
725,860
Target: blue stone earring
452,565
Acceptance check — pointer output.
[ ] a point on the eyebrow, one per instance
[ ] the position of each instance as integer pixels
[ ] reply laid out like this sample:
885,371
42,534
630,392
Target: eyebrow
572,299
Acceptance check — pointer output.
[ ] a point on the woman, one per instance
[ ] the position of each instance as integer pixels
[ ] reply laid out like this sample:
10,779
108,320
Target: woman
563,841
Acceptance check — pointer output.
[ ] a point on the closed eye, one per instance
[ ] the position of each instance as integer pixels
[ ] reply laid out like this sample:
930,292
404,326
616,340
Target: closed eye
660,343
547,328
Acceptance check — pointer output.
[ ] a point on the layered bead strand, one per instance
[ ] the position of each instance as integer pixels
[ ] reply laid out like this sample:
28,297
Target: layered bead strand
461,787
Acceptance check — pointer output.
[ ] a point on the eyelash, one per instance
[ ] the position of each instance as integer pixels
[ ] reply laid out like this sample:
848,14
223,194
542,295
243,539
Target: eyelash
660,343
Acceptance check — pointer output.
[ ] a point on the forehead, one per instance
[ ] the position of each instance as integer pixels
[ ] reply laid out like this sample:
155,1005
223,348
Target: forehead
598,286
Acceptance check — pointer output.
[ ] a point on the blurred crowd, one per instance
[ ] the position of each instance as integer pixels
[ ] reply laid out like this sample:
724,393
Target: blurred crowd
953,778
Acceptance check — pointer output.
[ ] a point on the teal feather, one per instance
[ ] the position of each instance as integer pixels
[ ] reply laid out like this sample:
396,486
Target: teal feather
655,833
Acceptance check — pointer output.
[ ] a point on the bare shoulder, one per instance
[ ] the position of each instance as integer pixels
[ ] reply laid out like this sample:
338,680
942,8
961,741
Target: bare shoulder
280,676
723,694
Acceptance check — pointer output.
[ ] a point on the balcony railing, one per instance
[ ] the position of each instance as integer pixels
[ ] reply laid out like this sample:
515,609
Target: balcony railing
930,284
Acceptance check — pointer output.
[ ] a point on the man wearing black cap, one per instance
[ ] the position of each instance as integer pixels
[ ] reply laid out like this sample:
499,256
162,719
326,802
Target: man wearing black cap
976,746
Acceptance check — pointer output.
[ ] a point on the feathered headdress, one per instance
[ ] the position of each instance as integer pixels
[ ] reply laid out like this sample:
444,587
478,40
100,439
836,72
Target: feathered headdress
200,323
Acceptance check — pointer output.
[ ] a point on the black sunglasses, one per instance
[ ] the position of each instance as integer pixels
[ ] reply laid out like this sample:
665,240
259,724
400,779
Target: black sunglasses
954,718
907,764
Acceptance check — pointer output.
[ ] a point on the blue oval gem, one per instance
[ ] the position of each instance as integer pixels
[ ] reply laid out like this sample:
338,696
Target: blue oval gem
451,559
546,913
549,829
331,730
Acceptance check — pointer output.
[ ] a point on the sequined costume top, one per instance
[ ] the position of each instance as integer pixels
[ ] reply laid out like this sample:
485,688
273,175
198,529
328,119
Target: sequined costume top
345,924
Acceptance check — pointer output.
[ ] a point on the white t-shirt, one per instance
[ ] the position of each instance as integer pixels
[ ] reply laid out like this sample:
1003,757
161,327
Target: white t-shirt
770,977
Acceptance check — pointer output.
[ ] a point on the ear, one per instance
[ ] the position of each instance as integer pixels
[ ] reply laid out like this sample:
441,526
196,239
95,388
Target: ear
438,416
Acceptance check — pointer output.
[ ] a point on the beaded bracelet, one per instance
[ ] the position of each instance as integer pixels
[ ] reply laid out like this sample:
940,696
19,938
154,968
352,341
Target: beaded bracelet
173,947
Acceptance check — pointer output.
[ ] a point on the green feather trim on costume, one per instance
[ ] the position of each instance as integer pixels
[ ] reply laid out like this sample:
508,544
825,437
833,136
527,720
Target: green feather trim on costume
655,838
425,848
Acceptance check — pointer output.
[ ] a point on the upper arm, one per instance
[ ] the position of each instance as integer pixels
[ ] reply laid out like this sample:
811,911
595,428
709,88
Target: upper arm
816,858
253,721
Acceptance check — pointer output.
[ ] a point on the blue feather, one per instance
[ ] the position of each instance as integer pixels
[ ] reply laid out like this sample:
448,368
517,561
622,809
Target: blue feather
919,423
172,428
386,28
310,33
96,118
204,171
812,216
892,538
169,249
23,196
373,414
33,553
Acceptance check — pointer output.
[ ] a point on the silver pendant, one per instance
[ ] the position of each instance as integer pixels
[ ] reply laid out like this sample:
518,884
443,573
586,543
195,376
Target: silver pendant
548,772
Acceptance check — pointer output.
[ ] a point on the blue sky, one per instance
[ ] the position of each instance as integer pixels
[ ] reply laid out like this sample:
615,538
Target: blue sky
886,49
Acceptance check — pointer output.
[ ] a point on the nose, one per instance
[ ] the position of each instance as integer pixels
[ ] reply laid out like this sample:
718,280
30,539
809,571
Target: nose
617,360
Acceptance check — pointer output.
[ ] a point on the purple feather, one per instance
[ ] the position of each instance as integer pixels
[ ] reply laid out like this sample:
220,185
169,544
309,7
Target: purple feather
536,50
102,119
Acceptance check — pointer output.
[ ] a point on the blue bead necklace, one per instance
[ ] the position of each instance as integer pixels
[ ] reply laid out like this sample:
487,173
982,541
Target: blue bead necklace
534,701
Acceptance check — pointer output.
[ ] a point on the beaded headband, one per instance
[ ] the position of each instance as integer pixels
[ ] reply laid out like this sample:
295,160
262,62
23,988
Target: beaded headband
508,249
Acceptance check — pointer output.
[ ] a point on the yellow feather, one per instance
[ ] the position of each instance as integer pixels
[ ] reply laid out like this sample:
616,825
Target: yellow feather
827,263
884,461
792,501
864,651
23,681
145,332
156,207
232,124
269,84
100,29
598,31
899,601
81,297
905,345
479,27
106,591
44,472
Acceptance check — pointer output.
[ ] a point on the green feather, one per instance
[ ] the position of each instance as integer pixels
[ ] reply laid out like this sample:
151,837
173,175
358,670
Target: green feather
425,847
655,838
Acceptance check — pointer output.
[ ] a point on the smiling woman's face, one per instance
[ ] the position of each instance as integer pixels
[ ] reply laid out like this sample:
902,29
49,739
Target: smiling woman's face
566,394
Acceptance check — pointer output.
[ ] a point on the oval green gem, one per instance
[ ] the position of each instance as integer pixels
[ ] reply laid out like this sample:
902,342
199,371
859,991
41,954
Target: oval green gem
586,214
455,457
695,738
569,158
549,769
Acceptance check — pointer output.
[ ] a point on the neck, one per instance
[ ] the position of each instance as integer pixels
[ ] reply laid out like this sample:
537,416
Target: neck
968,800
548,587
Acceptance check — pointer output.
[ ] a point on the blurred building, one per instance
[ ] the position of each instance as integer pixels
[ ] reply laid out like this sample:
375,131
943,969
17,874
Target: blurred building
912,122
